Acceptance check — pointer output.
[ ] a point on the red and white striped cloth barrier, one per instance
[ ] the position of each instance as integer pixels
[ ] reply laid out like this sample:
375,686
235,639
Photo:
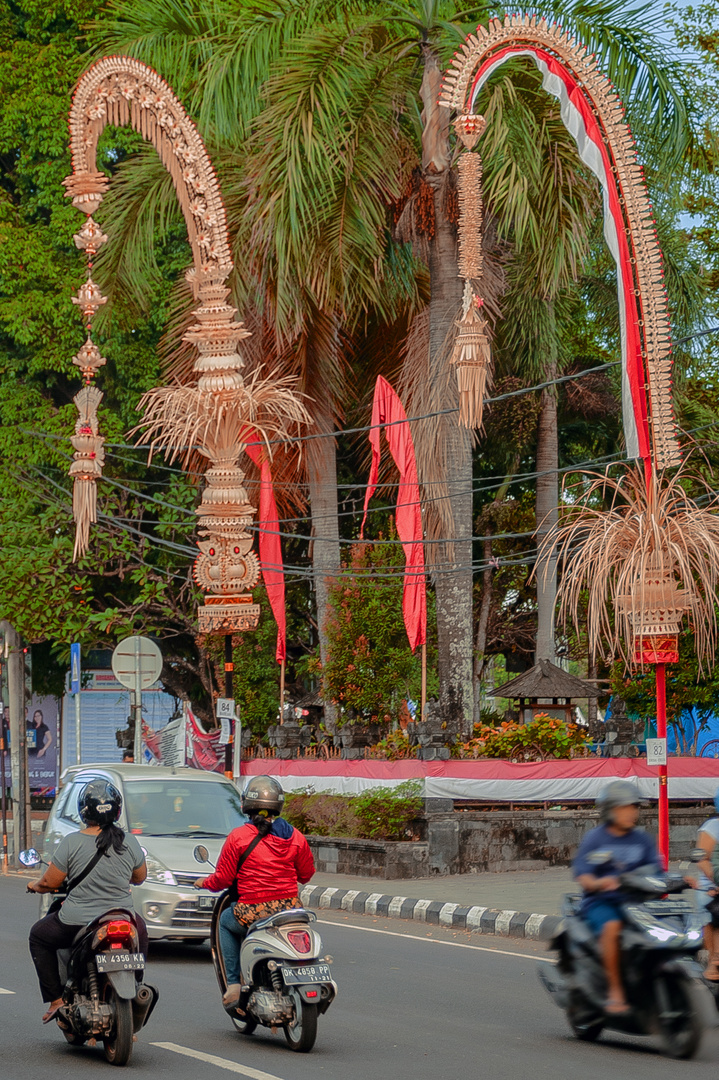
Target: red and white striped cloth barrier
499,781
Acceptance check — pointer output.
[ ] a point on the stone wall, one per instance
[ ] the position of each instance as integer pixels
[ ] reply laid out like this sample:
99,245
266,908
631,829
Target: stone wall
465,842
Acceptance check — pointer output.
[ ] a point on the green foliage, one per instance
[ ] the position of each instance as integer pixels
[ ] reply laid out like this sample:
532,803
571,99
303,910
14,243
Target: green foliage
377,814
545,737
370,668
395,746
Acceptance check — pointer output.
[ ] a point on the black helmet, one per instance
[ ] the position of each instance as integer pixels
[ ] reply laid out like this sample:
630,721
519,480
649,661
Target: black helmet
99,803
617,793
263,793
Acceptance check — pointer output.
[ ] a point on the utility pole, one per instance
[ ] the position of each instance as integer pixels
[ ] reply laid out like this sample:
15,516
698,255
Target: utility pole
18,747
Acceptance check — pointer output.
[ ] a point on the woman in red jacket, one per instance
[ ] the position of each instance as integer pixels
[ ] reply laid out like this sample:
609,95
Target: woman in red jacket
267,881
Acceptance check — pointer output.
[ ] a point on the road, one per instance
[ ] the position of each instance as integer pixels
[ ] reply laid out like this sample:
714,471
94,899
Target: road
422,1004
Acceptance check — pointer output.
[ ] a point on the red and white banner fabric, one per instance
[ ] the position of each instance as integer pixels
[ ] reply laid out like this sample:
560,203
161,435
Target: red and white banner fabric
388,411
496,781
270,547
582,124
203,750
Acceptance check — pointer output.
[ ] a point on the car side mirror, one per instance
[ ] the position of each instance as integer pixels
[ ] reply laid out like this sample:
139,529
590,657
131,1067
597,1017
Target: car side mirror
201,853
30,857
697,855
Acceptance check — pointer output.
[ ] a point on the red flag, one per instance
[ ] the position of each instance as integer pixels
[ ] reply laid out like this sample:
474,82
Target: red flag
271,548
387,409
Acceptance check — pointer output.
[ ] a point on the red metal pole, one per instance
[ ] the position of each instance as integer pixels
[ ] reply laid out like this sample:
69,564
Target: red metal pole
661,681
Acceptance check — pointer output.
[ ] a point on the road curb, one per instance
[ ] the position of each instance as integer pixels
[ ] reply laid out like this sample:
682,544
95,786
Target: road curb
481,920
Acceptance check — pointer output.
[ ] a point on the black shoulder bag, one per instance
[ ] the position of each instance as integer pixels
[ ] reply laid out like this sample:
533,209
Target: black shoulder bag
59,901
233,890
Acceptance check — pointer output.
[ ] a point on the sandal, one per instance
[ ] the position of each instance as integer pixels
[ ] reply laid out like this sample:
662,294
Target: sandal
52,1012
616,1006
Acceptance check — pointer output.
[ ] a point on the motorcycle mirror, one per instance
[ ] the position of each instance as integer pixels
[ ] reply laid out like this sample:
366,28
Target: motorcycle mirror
697,855
201,853
30,857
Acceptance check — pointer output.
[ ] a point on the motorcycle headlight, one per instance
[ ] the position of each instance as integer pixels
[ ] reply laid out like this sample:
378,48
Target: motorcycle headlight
157,871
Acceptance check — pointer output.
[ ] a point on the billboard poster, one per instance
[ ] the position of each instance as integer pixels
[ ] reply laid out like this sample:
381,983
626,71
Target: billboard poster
41,724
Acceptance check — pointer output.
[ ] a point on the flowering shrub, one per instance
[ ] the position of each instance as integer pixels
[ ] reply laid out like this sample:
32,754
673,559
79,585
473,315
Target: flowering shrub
544,737
394,747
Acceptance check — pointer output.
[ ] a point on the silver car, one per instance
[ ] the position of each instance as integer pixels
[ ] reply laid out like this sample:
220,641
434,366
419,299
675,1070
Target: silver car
169,811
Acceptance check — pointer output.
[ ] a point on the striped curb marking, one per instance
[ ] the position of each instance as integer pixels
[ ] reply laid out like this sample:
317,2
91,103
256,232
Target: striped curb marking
481,920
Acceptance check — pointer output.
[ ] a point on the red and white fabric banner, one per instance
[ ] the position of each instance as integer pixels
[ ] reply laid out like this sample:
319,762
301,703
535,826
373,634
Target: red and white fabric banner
388,411
495,781
270,547
582,124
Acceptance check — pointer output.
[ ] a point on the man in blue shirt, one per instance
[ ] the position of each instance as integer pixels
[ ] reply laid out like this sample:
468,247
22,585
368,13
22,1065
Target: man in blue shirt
616,847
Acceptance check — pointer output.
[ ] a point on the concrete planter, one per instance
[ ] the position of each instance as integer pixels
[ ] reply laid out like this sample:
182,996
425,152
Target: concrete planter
383,859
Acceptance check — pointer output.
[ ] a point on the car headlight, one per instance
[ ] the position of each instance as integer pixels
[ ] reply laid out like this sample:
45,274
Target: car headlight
157,871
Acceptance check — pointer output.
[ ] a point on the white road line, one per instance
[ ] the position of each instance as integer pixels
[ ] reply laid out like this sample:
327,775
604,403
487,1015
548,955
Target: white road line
2,991
221,1063
437,941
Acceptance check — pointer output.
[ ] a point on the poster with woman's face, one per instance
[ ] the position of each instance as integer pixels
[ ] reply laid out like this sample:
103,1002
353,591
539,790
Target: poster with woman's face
41,732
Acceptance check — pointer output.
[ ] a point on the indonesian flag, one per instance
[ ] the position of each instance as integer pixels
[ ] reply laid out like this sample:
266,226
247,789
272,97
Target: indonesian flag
387,410
270,548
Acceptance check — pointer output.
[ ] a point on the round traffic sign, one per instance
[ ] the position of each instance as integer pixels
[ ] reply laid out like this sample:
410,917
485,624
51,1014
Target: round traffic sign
137,663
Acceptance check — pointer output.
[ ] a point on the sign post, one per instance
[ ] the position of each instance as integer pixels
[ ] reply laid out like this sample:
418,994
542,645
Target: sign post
137,663
75,679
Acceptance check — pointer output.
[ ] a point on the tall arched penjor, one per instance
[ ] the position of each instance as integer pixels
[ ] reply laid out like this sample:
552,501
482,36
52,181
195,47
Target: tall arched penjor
219,413
592,113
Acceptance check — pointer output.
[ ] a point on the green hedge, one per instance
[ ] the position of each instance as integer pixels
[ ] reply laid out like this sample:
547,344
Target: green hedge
377,814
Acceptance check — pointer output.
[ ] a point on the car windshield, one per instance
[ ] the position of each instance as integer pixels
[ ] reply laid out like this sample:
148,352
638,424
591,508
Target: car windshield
182,808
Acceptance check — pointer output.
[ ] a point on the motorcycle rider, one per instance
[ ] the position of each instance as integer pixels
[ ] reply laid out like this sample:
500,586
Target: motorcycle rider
707,841
627,848
267,881
106,887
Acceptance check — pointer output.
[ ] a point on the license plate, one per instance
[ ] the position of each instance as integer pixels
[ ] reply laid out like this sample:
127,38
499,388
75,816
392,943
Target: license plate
206,903
120,961
310,973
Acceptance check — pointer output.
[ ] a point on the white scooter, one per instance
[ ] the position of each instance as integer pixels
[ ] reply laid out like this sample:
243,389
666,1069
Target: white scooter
287,981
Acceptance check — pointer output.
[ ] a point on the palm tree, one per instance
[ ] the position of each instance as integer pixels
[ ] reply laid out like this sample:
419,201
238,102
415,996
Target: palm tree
318,115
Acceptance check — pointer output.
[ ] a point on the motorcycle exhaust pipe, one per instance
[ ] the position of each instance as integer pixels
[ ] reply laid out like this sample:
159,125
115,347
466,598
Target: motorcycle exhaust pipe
142,1004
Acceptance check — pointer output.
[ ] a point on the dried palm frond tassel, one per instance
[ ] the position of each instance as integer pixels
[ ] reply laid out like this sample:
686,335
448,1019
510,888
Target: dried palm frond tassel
471,356
86,469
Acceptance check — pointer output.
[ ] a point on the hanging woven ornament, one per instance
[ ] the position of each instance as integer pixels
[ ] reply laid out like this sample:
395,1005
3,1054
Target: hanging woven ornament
470,353
471,356
86,469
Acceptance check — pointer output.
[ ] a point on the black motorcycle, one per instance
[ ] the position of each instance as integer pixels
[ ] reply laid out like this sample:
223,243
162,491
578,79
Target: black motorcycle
104,994
662,979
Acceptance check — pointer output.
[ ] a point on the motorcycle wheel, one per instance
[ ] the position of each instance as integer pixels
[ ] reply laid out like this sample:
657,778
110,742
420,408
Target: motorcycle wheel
682,1032
118,1047
584,1022
245,1027
301,1034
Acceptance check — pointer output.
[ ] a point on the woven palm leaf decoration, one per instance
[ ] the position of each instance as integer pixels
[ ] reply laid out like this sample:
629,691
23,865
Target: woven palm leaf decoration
470,352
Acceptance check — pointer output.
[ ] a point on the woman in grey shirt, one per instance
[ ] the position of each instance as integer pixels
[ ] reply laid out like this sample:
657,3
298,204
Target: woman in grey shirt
106,887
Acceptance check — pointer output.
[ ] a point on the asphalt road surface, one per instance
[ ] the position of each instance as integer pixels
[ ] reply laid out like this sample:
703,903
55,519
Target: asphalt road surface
413,1003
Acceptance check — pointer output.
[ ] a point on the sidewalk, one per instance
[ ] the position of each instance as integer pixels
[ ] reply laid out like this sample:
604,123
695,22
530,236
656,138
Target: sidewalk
520,903
516,903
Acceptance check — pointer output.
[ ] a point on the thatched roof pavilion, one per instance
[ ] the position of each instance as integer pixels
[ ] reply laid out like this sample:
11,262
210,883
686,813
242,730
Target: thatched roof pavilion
546,688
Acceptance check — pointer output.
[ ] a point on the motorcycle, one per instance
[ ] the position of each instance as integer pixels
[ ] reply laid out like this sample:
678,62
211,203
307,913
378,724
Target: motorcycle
660,941
104,993
287,982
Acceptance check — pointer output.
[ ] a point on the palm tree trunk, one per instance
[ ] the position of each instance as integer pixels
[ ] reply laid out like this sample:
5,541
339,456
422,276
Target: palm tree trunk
453,582
546,505
322,481
485,606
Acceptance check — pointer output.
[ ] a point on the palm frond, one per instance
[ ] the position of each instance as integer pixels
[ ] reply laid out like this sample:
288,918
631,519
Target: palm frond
652,554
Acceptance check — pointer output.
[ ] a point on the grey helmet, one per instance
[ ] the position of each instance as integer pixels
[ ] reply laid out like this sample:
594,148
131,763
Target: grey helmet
263,793
617,793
